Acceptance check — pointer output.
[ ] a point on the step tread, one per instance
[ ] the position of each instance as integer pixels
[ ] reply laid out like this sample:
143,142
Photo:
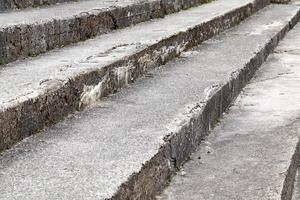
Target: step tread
31,32
93,152
59,11
248,155
56,67
13,5
62,83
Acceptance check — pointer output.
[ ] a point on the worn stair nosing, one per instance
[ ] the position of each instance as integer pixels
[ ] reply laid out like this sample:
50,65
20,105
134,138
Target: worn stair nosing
27,116
203,115
31,39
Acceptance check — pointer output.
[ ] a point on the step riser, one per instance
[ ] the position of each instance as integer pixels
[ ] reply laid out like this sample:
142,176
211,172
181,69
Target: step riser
23,40
28,117
296,186
288,186
154,175
280,1
6,5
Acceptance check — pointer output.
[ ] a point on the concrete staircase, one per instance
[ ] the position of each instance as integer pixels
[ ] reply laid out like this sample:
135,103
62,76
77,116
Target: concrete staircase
71,78
296,193
35,31
254,152
117,115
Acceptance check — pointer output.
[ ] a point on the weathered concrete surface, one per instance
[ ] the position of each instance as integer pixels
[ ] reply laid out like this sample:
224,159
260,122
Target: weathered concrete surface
254,152
6,5
129,145
42,90
296,194
34,31
296,2
280,1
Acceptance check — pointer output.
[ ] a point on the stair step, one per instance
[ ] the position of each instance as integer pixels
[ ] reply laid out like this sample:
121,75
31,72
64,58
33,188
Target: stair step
296,194
6,5
129,145
40,91
35,31
255,151
280,1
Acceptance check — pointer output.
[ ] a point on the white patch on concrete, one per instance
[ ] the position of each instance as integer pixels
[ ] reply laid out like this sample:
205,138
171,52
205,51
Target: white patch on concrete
123,74
209,91
189,53
263,28
92,93
180,48
183,117
165,52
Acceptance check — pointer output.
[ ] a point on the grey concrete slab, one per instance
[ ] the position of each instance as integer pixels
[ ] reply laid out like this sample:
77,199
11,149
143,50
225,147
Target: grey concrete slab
129,145
296,194
281,1
6,5
254,152
34,31
40,91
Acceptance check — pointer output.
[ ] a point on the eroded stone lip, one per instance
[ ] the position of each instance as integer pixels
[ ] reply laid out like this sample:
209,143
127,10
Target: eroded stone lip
72,78
117,149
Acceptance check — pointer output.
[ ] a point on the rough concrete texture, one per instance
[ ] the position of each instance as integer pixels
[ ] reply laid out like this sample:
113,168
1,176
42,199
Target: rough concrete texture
34,31
296,194
254,152
74,77
129,145
6,5
295,2
280,1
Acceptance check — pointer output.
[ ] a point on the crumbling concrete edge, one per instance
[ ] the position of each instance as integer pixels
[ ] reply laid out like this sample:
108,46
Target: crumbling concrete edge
8,5
296,188
24,40
156,173
290,175
281,1
30,114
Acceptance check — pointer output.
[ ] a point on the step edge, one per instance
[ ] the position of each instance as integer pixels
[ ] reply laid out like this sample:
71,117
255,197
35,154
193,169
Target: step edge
58,32
17,117
166,160
16,6
290,177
